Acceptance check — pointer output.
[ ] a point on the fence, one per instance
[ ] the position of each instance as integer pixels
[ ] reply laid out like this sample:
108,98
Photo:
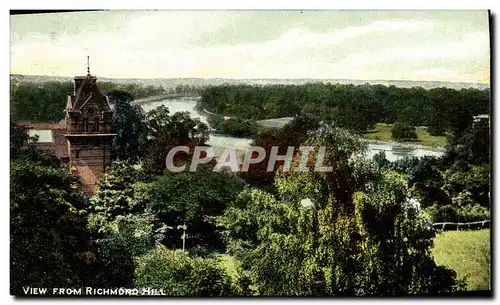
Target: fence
475,225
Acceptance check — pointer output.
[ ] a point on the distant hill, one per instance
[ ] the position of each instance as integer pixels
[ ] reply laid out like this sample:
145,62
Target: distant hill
173,82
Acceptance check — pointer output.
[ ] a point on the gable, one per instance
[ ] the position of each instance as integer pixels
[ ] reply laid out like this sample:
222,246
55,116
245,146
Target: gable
89,98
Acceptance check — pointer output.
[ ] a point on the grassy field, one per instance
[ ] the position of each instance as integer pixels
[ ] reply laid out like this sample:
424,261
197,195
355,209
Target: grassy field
382,132
466,252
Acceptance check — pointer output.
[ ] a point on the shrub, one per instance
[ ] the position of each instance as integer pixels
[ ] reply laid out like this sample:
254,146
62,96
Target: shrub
215,120
442,213
403,131
235,127
381,160
476,181
178,274
453,213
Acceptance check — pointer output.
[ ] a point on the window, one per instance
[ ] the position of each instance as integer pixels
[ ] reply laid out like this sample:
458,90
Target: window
44,136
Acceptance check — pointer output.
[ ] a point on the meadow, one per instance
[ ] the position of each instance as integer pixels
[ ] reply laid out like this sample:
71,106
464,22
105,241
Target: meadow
466,252
382,132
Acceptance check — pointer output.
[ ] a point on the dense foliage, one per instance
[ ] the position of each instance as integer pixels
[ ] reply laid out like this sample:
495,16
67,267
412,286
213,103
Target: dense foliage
235,127
472,145
179,274
45,102
190,199
148,137
456,186
357,108
48,240
361,236
165,131
130,126
361,229
292,134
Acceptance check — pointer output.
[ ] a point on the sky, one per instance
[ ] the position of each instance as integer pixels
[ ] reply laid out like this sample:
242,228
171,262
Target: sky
367,45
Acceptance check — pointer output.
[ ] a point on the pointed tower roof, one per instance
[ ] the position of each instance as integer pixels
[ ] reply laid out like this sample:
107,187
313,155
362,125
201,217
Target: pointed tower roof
86,90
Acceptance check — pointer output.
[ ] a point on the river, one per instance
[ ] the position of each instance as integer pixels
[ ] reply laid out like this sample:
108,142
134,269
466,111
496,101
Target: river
393,151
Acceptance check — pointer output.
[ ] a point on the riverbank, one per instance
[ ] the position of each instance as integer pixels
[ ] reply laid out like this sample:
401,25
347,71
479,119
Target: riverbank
157,98
405,145
381,135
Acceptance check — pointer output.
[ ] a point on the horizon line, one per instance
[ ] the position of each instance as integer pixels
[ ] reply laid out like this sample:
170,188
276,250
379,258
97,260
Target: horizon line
266,78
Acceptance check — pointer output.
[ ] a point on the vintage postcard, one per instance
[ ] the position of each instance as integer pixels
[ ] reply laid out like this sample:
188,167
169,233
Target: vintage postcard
207,153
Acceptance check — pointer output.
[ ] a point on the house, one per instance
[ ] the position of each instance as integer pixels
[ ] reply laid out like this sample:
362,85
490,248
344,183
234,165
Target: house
82,140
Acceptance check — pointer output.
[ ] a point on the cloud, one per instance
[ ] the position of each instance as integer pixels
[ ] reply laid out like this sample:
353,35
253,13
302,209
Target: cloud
165,44
472,46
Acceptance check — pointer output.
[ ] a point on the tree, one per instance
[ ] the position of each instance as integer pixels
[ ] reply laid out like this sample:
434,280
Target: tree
356,108
121,228
215,120
115,194
18,138
362,235
396,235
403,131
424,172
48,240
45,101
166,131
237,127
118,243
460,119
381,160
437,124
473,145
292,134
191,199
476,182
39,102
130,142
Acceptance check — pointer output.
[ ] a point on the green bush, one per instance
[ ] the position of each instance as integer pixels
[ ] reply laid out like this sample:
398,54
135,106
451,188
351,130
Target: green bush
381,160
403,131
236,127
215,120
178,274
475,213
453,213
476,181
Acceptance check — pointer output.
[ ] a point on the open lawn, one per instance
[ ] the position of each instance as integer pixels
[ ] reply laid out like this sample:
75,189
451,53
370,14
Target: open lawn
382,132
466,252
